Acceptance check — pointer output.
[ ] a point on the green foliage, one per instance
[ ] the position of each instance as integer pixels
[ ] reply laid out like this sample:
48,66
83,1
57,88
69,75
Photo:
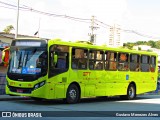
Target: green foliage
139,48
8,29
128,45
158,44
153,44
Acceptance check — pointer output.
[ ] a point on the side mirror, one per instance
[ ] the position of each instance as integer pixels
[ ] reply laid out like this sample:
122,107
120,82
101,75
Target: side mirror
3,55
55,59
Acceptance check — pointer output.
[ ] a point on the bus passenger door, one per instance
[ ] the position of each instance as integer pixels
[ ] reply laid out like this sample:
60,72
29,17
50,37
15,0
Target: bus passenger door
58,70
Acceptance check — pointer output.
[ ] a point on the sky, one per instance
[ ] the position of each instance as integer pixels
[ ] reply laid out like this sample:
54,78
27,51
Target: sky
142,16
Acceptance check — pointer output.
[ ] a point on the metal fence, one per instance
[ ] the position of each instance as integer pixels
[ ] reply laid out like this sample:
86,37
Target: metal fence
2,83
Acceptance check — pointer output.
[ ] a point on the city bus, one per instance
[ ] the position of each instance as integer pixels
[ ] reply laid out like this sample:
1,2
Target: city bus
55,69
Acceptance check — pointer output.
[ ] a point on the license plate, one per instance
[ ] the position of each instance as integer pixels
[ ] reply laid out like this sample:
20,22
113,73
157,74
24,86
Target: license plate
19,90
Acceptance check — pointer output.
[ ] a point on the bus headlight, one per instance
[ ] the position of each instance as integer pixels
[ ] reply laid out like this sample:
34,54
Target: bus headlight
42,83
38,85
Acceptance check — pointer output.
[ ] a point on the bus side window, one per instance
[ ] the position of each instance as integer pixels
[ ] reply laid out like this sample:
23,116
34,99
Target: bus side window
145,63
91,65
99,66
74,64
59,59
62,60
92,59
96,60
152,63
134,62
112,61
79,58
62,56
99,60
123,64
106,59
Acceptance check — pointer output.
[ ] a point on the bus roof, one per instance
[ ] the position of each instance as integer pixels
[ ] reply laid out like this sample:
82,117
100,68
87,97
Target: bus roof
100,47
87,45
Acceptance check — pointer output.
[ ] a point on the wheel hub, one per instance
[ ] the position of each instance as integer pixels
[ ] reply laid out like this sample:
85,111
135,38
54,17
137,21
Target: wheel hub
131,92
72,94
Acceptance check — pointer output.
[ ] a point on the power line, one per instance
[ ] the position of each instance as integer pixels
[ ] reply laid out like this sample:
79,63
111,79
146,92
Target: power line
103,23
27,8
46,13
129,31
8,7
11,5
12,8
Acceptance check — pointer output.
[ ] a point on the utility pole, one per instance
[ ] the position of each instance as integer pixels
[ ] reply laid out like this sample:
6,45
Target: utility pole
16,34
93,27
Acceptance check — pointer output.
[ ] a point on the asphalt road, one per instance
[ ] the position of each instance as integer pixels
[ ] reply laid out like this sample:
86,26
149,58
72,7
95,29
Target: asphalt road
88,109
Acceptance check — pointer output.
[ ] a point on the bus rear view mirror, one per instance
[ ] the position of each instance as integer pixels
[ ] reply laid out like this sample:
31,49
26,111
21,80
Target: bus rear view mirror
5,56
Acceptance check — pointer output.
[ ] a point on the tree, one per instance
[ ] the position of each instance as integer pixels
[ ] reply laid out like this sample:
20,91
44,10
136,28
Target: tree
141,43
8,29
158,44
152,43
128,45
139,48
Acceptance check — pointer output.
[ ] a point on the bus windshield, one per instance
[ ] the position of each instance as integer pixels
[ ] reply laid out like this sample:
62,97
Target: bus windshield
28,60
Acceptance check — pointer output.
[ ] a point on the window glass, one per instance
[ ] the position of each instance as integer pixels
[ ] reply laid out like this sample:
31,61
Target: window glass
96,60
79,58
153,64
145,67
59,59
123,64
110,60
134,62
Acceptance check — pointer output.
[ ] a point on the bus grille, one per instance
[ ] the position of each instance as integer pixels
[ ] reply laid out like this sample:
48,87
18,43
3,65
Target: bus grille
20,90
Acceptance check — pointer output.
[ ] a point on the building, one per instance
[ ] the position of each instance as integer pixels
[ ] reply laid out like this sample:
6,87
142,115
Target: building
142,47
115,36
6,39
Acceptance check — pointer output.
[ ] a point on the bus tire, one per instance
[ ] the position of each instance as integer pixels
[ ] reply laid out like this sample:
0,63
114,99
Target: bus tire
73,94
131,92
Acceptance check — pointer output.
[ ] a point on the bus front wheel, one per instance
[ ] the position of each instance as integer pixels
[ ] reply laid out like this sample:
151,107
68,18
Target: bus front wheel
73,94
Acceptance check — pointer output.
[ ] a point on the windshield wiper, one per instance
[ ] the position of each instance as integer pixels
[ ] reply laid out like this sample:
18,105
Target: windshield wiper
20,57
26,58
